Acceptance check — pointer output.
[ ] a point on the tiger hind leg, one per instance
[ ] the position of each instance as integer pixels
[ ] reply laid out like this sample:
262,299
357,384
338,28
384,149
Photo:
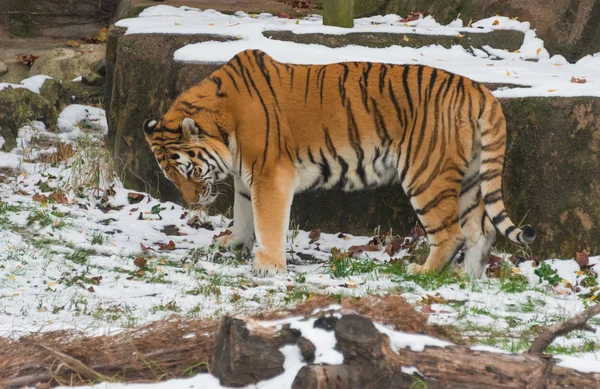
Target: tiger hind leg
480,235
437,208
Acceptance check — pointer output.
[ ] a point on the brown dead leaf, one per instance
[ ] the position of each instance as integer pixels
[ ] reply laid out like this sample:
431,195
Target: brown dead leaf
538,51
356,251
283,15
395,245
577,80
196,223
140,262
27,60
413,16
435,299
350,286
582,259
58,198
222,233
314,235
145,248
134,198
39,198
96,280
91,289
73,43
167,246
427,309
496,22
416,232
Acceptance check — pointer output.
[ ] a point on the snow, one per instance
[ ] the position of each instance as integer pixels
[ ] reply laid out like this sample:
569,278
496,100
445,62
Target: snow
72,116
488,349
579,364
416,342
34,83
544,76
410,370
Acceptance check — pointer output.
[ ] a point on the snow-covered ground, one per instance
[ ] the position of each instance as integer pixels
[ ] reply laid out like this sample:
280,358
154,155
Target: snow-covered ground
79,251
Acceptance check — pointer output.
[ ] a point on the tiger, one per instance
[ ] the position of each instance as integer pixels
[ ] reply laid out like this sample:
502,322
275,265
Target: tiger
280,129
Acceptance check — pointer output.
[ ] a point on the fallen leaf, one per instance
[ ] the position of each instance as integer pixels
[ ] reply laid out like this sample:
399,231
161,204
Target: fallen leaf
58,198
283,15
437,299
582,259
11,277
460,35
73,43
39,198
140,262
405,38
577,80
27,60
145,248
470,22
507,73
222,233
356,251
91,289
428,309
96,280
134,198
551,90
167,246
496,22
314,235
394,246
538,51
350,286
413,16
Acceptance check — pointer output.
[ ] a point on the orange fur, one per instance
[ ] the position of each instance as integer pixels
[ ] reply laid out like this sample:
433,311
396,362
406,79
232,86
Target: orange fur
281,129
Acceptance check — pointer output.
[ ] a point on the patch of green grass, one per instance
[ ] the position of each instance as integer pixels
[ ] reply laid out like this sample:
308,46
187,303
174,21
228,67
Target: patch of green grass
99,238
485,312
342,266
588,346
546,273
531,304
171,306
296,294
80,256
514,284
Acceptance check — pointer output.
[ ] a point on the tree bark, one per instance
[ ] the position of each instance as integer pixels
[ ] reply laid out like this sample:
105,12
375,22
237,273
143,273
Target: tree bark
339,13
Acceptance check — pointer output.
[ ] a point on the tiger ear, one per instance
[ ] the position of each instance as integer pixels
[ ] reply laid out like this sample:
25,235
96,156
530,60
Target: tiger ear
189,128
149,126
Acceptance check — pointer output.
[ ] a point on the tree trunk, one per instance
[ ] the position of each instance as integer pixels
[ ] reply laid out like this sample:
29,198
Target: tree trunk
339,13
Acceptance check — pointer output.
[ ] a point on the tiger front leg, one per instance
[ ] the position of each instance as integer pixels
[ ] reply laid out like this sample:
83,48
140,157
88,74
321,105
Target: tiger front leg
242,232
272,195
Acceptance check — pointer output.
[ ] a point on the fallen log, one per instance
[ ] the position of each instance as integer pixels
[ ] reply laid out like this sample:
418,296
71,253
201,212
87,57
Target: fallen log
374,360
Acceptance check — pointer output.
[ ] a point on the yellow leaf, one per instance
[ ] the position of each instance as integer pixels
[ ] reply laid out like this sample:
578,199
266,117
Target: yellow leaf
163,261
52,283
517,51
558,64
10,247
537,52
580,273
253,16
551,90
297,21
507,73
405,38
458,16
211,24
515,18
516,270
73,43
11,277
460,35
470,22
496,22
238,37
177,24
16,295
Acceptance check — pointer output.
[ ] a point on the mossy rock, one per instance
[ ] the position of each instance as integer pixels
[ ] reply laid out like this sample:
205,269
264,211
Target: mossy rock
21,106
52,91
16,72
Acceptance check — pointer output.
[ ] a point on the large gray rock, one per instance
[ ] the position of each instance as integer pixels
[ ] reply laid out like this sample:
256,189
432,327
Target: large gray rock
19,107
552,174
66,63
15,72
61,94
568,27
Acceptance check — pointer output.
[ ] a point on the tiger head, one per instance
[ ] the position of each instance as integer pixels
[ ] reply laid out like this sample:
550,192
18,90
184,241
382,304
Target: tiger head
192,153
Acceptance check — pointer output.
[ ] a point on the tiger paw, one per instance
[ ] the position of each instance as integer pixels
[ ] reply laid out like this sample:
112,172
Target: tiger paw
266,265
414,268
